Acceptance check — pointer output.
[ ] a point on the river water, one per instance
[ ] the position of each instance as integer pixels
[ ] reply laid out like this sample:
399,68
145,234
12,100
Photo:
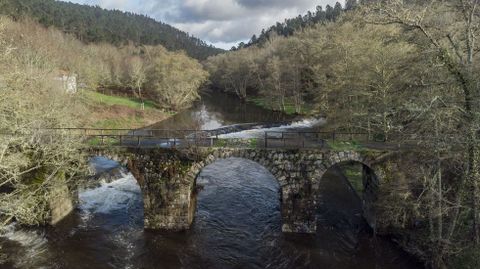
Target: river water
237,222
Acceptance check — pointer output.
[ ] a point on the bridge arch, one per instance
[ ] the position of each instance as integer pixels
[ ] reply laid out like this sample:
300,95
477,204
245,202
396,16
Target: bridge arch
261,158
258,157
293,171
370,180
229,180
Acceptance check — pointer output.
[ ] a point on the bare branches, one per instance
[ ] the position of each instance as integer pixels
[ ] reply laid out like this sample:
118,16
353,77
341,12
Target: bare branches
30,165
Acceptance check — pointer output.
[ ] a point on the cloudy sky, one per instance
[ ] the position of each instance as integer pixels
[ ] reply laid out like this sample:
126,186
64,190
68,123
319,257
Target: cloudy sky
223,23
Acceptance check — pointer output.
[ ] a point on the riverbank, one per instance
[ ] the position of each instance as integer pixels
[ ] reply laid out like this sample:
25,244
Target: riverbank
289,106
114,112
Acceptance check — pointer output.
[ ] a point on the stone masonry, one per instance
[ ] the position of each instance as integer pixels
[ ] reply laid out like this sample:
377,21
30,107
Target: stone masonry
167,178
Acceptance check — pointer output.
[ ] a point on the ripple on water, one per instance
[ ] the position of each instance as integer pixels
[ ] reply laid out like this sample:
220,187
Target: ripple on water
237,225
24,248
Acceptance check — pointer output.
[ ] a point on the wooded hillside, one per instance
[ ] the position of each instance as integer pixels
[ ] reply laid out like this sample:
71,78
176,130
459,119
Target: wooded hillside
402,72
94,24
291,25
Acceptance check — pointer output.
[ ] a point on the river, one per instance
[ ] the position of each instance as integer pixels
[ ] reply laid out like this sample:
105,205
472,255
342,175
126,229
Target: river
237,223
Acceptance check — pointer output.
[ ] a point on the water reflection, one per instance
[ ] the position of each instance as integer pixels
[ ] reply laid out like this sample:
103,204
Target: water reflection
215,110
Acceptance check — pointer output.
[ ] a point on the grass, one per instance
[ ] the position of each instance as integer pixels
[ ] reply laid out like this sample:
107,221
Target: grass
343,146
246,143
107,141
253,143
117,100
289,106
115,112
220,143
355,177
119,123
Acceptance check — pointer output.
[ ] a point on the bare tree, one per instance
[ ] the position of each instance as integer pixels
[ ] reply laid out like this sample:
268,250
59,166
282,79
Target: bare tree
451,29
137,75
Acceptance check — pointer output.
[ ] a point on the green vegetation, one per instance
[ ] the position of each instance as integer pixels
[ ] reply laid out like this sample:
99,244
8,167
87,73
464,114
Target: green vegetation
107,141
109,100
253,143
128,122
344,145
112,26
115,112
354,174
236,142
220,143
289,106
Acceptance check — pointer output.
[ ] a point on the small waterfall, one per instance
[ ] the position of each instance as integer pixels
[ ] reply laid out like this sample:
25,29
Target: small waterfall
108,197
294,126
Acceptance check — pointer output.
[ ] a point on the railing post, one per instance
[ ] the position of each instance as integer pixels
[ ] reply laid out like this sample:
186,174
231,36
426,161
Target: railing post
138,141
266,139
333,135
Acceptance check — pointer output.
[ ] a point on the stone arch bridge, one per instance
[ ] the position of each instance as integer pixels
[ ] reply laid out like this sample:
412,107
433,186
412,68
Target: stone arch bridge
167,177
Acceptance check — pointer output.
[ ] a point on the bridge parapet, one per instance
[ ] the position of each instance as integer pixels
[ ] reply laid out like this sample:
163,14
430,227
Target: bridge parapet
157,138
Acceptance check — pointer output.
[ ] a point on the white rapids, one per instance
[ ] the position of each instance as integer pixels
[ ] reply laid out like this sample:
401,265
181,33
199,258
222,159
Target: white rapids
258,133
109,197
33,242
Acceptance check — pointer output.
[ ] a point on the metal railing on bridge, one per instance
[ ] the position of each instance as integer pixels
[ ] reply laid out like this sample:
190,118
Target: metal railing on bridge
162,138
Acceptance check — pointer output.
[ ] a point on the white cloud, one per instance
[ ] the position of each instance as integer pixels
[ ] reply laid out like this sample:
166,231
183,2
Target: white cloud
221,22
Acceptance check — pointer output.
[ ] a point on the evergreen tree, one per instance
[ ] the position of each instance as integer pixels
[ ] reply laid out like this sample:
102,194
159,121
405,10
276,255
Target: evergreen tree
94,24
350,4
292,25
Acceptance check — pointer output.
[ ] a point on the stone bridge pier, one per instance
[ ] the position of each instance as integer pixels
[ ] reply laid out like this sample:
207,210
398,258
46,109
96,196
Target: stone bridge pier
167,178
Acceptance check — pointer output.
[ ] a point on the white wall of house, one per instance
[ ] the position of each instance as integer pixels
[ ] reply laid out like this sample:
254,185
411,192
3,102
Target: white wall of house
69,83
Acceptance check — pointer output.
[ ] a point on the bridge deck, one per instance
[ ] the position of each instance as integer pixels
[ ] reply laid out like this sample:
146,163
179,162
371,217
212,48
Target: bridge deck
156,138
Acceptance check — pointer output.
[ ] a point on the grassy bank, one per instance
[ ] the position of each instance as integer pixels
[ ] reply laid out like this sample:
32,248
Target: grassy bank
114,112
353,173
110,100
289,106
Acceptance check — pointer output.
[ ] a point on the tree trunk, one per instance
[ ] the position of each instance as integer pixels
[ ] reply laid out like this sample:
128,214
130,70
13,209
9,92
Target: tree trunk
474,178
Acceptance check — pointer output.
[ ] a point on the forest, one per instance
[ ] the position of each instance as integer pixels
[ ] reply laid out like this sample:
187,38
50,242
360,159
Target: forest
92,24
32,100
400,71
292,25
